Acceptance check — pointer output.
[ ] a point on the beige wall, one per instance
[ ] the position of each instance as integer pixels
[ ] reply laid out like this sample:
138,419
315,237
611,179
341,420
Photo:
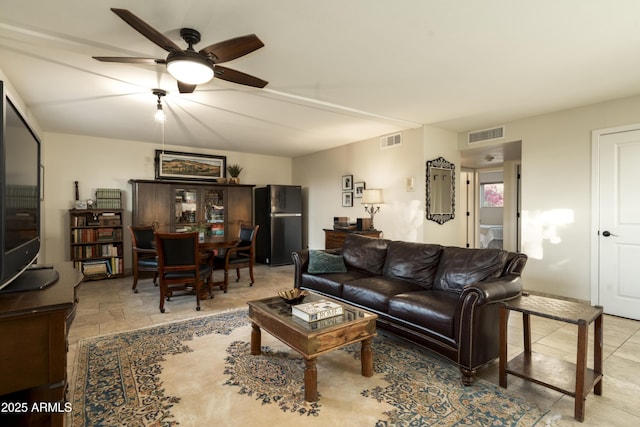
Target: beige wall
402,217
107,163
320,175
556,192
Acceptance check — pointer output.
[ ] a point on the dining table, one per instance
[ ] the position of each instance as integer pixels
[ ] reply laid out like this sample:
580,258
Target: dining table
210,246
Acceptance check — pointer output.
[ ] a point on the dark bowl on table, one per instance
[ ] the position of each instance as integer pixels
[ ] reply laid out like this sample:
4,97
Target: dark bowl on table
293,296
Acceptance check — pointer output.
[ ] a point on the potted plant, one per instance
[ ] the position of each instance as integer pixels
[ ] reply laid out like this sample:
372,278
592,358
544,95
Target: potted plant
234,170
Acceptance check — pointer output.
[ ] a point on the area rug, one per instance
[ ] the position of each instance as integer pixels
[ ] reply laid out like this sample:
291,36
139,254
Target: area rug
200,372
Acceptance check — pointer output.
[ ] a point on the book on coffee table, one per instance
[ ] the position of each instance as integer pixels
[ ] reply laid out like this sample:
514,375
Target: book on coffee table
318,310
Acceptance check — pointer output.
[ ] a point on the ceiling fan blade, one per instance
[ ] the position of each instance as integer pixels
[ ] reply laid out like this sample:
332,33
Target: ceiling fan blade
185,87
235,76
233,48
147,30
127,60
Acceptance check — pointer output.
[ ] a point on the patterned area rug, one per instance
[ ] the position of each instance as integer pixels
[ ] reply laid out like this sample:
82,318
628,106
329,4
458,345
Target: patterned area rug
200,372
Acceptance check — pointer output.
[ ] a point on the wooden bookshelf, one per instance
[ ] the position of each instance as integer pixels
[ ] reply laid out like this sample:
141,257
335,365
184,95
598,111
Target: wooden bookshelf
96,242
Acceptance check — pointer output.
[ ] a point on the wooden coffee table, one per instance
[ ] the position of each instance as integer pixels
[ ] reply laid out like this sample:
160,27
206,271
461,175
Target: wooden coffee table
315,338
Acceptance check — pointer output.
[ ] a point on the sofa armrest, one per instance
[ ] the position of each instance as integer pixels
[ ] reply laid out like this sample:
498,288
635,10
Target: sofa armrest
301,263
491,291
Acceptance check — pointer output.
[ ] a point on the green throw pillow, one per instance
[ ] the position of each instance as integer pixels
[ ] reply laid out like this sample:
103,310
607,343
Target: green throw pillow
322,262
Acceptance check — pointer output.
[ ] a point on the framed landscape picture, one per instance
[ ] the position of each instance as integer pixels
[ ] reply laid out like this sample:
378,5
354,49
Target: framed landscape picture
201,167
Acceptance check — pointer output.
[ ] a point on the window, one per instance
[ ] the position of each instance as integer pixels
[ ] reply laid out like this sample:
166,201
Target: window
491,195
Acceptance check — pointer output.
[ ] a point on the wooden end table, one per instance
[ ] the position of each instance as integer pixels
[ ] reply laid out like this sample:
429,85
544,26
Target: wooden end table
312,339
575,380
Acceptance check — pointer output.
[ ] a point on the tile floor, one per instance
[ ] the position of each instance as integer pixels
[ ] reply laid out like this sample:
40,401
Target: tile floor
110,306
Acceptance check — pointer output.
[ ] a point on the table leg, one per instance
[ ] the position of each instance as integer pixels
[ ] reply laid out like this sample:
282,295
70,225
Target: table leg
502,370
597,353
366,358
310,380
526,326
581,370
256,339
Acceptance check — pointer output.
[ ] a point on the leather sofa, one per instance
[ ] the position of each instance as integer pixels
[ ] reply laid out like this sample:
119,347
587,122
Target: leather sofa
444,298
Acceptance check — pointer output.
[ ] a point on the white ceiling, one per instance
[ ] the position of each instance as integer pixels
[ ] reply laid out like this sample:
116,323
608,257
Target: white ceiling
339,71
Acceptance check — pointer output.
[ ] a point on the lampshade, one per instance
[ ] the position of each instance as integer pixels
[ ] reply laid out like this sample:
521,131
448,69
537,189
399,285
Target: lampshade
372,197
189,67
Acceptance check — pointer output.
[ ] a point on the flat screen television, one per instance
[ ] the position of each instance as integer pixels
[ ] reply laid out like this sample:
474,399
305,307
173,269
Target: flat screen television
19,201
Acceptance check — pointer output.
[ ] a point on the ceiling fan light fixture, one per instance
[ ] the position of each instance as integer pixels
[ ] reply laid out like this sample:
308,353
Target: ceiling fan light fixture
189,67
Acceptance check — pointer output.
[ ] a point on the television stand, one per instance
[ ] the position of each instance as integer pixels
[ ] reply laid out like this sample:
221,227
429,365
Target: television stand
33,333
32,279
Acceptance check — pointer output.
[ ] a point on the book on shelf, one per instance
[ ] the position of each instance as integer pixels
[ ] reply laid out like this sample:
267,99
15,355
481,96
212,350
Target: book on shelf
318,310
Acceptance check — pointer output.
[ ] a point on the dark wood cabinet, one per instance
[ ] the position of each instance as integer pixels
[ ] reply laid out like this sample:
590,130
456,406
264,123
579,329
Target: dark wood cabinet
181,205
33,332
334,239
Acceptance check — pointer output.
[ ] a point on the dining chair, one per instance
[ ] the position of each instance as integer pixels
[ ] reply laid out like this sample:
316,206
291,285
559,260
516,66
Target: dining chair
243,255
180,267
145,256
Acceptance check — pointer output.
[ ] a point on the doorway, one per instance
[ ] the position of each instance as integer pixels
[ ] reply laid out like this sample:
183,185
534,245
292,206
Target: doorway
616,221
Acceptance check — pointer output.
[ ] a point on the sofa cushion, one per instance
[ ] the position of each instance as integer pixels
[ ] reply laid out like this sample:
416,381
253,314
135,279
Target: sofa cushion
364,253
330,283
374,292
417,262
461,266
434,310
323,262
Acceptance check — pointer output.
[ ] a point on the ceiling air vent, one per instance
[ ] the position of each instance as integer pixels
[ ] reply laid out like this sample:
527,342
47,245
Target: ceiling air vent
485,135
390,141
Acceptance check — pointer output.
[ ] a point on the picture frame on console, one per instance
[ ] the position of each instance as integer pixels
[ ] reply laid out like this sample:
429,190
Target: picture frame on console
189,166
347,199
347,182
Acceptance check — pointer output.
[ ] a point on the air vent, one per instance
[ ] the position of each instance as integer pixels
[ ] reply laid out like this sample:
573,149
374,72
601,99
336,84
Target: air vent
485,135
390,141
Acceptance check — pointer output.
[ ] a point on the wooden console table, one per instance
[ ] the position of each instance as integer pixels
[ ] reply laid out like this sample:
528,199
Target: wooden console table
574,380
33,333
334,239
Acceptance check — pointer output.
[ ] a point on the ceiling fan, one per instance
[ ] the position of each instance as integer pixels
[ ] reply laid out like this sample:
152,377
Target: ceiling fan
191,68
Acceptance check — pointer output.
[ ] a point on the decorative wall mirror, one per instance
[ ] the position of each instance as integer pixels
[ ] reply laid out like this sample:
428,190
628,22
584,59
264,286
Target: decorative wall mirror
441,187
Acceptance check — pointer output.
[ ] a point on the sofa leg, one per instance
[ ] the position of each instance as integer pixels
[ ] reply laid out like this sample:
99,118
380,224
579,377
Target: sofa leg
467,376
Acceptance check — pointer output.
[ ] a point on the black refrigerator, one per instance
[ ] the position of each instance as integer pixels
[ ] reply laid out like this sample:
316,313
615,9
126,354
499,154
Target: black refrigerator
278,212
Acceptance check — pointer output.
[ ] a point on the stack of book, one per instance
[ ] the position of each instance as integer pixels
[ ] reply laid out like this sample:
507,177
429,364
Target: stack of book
319,310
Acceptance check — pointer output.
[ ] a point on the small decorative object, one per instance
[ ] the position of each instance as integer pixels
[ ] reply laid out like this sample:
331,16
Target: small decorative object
347,182
90,204
347,199
234,170
78,204
358,188
293,296
372,199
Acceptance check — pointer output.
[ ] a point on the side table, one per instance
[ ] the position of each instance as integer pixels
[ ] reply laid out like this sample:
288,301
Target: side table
574,380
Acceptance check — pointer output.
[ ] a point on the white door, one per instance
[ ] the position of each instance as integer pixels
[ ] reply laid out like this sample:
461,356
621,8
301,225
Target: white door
618,217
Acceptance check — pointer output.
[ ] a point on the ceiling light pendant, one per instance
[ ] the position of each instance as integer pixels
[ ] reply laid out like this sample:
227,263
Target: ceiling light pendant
160,115
189,67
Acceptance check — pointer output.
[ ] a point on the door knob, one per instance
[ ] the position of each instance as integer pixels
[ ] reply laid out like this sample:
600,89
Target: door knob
607,234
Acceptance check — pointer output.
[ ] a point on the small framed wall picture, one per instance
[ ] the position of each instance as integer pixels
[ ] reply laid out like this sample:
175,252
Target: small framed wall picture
358,189
347,198
347,182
